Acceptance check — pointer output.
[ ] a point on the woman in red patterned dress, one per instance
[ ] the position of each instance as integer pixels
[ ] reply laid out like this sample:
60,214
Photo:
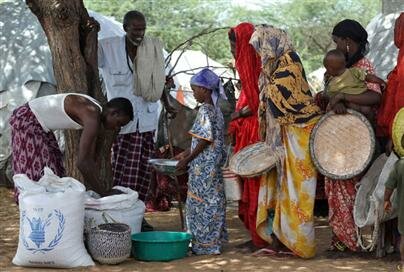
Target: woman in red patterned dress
351,38
244,125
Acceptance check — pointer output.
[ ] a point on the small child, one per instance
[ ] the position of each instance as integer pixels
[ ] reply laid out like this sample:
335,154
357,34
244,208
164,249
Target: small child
396,181
206,204
340,80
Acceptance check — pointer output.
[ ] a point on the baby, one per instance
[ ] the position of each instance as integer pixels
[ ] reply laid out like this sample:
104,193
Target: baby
342,80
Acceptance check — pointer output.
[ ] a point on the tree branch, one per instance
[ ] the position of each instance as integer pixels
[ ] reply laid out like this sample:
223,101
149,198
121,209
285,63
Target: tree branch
203,32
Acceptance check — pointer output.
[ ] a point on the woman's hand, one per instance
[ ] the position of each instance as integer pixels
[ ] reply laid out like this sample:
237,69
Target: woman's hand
338,108
182,164
244,112
383,86
322,99
235,115
336,104
182,155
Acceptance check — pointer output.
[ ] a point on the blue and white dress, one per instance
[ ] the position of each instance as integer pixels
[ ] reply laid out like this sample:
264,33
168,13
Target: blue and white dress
206,204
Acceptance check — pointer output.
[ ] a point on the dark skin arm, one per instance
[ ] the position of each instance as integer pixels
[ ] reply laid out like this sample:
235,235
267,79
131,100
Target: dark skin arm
368,98
244,112
164,99
88,115
182,164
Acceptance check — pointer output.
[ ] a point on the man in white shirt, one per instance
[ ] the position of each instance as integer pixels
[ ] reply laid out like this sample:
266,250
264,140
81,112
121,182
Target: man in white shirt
133,67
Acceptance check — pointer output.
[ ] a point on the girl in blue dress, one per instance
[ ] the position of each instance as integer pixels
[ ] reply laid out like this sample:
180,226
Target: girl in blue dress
206,205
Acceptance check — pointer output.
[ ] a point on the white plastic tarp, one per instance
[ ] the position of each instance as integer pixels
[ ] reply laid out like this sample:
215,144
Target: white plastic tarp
190,63
26,60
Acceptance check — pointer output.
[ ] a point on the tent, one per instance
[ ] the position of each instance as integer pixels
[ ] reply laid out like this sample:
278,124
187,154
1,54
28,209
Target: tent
188,63
26,62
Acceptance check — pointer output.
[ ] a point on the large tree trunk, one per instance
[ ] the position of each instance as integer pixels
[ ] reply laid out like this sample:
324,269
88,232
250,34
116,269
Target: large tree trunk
75,68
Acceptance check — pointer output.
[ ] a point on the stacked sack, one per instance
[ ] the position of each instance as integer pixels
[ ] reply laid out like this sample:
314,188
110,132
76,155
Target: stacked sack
124,208
51,222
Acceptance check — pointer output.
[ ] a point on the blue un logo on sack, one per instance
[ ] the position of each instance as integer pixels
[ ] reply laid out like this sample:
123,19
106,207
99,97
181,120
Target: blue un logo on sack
38,228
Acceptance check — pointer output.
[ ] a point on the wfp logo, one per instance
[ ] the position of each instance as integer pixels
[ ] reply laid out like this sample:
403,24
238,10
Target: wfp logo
38,227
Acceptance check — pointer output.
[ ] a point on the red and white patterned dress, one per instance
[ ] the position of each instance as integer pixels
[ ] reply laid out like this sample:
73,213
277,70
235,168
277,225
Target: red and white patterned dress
341,193
32,147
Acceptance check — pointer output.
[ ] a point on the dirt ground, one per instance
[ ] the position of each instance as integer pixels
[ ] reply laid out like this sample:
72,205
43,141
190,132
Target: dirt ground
231,259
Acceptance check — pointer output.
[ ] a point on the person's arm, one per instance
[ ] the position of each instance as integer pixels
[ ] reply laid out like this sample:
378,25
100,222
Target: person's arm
164,99
202,144
244,112
87,146
183,154
367,98
93,52
375,79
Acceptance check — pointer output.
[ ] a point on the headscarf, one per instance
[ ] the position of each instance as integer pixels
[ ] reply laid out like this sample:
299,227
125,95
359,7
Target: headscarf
209,80
355,31
248,66
393,97
283,85
270,43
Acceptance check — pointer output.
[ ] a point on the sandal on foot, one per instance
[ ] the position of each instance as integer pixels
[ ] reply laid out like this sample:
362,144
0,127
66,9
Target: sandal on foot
264,252
285,253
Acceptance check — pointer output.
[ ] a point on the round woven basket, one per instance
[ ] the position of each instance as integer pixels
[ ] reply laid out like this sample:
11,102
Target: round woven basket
110,243
398,132
252,160
342,145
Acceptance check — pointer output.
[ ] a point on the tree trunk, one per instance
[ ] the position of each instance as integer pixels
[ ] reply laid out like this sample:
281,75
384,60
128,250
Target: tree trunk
76,71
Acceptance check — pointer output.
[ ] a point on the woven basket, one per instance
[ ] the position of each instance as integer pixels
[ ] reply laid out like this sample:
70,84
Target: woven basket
342,145
398,132
253,160
109,243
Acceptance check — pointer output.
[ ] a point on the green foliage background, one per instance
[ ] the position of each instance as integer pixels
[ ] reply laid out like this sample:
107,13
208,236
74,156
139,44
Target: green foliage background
309,22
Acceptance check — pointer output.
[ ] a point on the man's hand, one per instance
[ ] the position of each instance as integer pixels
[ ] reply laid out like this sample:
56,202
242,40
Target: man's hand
92,25
172,112
169,84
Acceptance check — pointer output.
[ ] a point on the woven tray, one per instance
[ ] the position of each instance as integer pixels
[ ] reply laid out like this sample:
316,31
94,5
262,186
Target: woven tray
252,160
342,146
398,132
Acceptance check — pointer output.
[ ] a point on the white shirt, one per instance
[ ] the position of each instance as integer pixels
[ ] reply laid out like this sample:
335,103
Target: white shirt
114,64
50,112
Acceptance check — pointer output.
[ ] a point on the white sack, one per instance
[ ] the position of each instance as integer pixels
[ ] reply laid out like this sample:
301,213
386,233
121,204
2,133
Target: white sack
370,195
124,208
51,222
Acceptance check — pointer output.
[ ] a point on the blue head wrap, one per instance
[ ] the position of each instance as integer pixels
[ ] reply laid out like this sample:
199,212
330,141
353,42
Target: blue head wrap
209,80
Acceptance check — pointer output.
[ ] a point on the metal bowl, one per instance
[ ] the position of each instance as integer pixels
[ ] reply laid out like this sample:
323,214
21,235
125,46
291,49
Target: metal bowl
166,166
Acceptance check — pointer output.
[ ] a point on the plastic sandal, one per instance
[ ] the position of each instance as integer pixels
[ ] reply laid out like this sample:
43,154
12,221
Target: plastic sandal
264,252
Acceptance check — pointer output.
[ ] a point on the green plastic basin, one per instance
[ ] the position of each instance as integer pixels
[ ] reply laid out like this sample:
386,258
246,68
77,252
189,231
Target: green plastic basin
160,245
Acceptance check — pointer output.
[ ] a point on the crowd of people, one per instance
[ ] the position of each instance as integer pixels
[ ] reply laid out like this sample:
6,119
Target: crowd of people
275,105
